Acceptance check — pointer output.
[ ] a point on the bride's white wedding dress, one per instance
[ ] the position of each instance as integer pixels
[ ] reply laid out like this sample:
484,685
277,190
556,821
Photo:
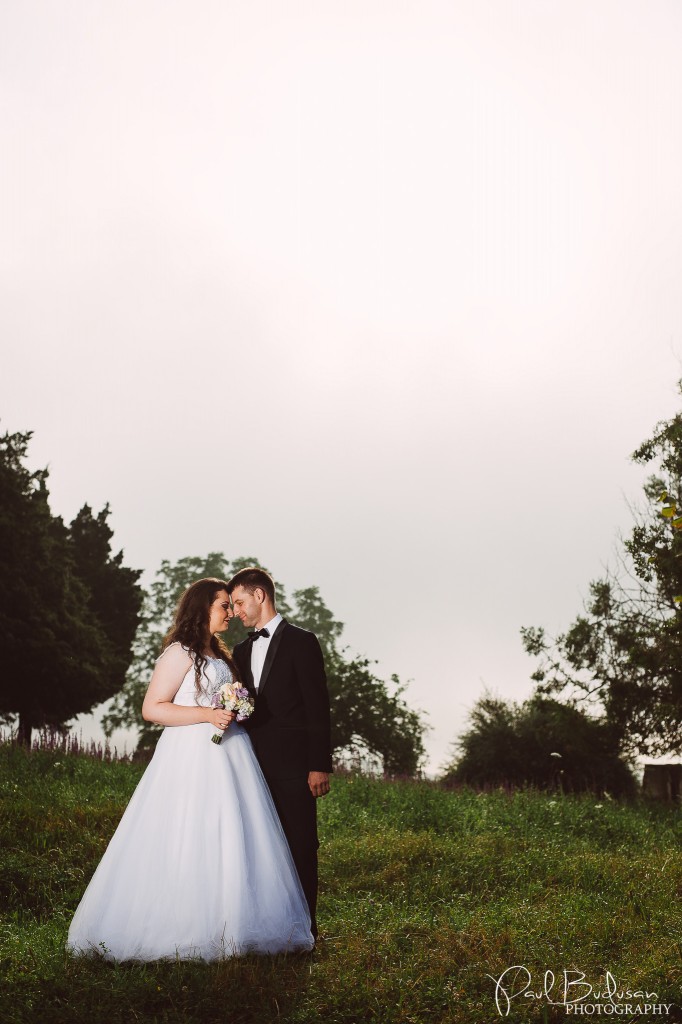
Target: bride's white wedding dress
199,865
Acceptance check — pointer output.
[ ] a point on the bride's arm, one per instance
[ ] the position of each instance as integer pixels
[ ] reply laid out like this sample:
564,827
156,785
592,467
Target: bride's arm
158,707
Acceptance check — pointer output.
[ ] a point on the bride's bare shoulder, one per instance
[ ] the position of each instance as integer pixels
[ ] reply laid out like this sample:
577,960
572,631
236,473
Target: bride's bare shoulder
175,654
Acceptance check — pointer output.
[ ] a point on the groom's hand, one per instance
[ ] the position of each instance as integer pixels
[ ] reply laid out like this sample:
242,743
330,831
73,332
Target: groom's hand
318,783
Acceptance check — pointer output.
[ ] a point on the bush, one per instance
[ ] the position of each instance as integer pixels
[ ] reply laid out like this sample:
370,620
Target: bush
541,743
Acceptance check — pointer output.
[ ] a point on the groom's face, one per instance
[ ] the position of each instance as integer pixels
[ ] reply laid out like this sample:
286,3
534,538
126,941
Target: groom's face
247,606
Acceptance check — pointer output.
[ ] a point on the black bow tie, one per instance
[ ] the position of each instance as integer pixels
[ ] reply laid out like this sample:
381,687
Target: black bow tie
258,632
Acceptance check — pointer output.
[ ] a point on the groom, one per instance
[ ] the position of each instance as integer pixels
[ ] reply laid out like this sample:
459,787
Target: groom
283,668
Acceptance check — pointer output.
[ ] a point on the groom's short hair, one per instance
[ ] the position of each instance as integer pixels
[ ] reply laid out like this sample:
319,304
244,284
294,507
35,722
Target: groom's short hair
252,578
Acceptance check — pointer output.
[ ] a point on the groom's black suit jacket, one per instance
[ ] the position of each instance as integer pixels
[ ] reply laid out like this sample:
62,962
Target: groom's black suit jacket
289,727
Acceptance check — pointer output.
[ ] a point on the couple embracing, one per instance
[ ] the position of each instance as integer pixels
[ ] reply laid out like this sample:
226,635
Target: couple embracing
216,853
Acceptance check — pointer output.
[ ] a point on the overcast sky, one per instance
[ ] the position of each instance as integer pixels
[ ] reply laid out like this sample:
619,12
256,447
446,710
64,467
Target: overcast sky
383,293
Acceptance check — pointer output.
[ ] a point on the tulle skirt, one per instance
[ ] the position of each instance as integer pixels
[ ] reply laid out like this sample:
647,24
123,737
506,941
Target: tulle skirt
199,866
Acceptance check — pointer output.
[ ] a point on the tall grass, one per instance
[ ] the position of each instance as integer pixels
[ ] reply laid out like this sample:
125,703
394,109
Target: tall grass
425,894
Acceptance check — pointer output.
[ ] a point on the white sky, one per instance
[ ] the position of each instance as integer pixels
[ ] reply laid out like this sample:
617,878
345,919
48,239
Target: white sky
384,293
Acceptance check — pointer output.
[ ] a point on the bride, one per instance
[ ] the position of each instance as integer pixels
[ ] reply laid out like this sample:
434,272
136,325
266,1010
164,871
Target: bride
199,866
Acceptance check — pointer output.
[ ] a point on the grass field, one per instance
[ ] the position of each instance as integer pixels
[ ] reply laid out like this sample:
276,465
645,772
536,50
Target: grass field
424,895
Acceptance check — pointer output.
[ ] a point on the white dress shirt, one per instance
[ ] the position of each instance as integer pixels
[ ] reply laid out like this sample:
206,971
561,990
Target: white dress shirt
259,649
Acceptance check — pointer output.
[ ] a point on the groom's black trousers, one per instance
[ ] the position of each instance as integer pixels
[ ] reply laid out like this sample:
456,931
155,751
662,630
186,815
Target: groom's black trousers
296,808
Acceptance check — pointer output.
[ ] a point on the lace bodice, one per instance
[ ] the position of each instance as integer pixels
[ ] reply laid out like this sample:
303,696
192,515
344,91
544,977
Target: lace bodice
214,674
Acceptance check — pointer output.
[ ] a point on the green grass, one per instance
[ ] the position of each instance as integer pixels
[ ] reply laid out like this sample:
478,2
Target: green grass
424,893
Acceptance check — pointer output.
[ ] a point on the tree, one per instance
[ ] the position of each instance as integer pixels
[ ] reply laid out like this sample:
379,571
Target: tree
367,718
68,609
624,654
371,723
114,597
543,743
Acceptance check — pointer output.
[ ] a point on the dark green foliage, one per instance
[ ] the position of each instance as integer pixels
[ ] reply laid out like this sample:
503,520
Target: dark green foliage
114,598
625,652
370,719
312,613
425,893
541,743
68,608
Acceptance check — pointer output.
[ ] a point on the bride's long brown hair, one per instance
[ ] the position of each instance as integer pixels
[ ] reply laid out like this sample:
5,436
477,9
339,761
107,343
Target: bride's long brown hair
190,626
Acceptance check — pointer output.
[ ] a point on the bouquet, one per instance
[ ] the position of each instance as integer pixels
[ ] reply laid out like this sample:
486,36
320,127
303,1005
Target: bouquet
232,697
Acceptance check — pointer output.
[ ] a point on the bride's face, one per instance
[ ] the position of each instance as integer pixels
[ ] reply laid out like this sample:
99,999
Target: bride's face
220,613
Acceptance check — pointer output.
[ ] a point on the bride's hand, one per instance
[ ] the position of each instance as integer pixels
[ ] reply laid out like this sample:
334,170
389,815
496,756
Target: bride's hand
220,718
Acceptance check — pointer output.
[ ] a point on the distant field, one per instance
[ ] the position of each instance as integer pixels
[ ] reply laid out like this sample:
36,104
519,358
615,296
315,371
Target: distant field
424,894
